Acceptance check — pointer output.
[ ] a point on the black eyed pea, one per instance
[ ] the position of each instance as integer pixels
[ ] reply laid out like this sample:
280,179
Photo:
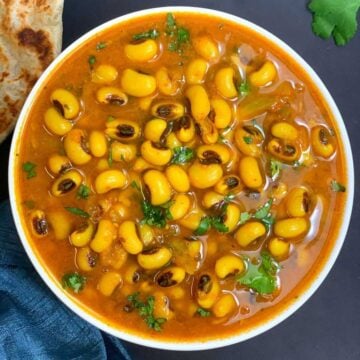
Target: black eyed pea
109,282
146,234
66,102
158,187
141,51
82,236
264,76
229,265
172,141
166,85
208,131
76,147
185,129
141,165
97,143
114,256
211,198
284,130
213,154
196,71
60,223
291,227
284,150
133,274
224,82
323,142
109,180
232,215
162,306
207,290
168,110
155,258
206,47
154,129
105,234
104,74
278,248
58,164
249,232
192,221
248,140
250,173
56,123
123,152
155,153
178,178
298,202
199,102
204,176
180,206
110,95
123,130
224,306
170,276
67,182
85,259
222,113
228,184
39,223
129,237
137,84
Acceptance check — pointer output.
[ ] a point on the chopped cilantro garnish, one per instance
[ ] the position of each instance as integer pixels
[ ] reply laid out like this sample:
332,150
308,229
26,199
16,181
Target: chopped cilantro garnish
263,214
260,278
275,168
150,34
100,45
202,312
335,17
244,217
77,211
244,89
204,226
73,281
182,155
178,35
154,215
29,168
337,187
91,61
83,192
146,310
248,139
135,185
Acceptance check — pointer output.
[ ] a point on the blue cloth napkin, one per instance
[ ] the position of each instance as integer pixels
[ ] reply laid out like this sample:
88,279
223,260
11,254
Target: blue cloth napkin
34,324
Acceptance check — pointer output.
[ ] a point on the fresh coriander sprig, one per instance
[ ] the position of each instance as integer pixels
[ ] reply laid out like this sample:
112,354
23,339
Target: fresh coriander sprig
73,281
30,169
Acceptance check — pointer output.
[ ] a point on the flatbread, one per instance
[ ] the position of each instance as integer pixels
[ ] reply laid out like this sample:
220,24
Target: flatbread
30,38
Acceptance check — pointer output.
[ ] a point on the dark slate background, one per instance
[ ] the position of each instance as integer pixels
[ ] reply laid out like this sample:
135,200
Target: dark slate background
328,325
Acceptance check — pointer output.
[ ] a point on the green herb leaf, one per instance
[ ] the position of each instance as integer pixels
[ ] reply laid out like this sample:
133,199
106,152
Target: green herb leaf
244,217
91,61
178,35
202,312
146,310
244,89
337,187
150,34
248,139
261,278
170,23
229,197
335,17
29,168
183,36
83,192
182,155
153,215
275,168
77,211
218,224
264,210
73,281
204,226
100,45
135,185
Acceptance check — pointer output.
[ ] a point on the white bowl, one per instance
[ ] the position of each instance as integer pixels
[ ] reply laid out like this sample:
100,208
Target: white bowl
193,345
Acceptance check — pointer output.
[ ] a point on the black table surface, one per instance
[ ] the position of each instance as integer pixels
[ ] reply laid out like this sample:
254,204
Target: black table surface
328,325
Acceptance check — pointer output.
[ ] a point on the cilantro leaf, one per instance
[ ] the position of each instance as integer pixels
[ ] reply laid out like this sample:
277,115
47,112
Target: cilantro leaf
146,310
73,281
77,211
275,168
91,61
263,211
29,168
261,278
244,88
335,17
178,35
337,187
101,45
204,226
202,312
248,139
150,34
182,155
244,217
83,192
153,215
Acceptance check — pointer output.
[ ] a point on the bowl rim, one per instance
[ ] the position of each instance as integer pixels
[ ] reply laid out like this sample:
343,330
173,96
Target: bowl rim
258,329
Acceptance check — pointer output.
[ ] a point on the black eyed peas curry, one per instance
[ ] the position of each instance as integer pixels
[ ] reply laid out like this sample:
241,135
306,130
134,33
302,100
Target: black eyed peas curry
181,177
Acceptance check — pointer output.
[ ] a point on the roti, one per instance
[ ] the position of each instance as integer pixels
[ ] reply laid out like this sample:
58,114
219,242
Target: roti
30,38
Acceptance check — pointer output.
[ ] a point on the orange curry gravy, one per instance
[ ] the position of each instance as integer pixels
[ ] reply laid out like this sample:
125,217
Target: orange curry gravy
293,99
